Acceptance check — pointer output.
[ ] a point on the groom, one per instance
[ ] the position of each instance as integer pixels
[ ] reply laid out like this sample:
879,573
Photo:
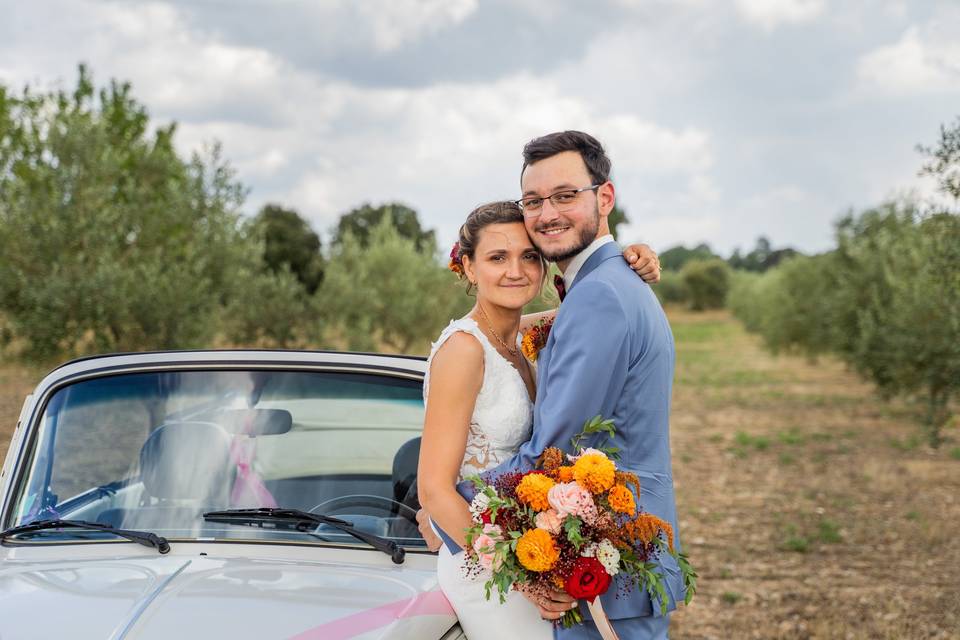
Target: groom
610,353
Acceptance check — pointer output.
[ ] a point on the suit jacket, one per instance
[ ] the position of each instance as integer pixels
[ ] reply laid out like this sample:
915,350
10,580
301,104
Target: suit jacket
610,352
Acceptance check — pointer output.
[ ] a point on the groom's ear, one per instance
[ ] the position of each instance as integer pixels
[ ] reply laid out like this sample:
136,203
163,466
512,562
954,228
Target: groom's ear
606,198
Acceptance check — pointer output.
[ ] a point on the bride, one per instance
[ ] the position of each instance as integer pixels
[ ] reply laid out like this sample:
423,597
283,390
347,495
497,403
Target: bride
479,391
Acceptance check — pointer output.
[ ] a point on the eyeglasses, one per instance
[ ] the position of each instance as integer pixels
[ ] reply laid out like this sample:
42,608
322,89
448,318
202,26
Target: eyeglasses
561,201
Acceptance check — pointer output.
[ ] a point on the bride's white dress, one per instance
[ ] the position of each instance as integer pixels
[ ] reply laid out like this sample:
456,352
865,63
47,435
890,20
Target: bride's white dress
502,420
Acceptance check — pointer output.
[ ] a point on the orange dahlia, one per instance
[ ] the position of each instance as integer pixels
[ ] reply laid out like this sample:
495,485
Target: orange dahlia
594,472
532,491
537,551
565,474
621,500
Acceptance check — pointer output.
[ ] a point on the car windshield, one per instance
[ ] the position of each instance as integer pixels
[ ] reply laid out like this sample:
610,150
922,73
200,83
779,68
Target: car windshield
155,451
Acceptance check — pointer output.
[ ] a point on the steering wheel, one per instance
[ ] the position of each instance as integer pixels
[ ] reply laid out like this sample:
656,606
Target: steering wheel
340,503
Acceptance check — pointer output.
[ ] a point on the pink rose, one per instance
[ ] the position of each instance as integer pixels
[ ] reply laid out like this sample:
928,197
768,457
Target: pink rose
569,498
484,546
549,521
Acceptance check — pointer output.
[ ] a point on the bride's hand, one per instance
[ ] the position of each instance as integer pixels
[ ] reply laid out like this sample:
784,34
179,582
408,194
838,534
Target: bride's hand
552,606
423,524
644,261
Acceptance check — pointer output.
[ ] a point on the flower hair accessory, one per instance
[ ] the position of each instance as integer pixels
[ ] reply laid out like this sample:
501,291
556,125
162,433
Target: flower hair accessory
535,339
456,264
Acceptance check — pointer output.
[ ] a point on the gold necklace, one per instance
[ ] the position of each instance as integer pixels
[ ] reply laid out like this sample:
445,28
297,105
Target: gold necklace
496,335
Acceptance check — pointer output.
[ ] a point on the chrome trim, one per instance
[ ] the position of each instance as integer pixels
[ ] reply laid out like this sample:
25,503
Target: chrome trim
117,354
455,633
144,603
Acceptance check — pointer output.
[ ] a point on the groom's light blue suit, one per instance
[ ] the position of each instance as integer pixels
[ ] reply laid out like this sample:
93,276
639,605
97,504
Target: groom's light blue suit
610,353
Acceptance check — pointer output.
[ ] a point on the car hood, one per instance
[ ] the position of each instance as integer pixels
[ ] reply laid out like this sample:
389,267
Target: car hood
204,594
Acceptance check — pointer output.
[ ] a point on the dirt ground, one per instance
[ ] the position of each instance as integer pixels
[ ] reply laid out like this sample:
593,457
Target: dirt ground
16,381
810,508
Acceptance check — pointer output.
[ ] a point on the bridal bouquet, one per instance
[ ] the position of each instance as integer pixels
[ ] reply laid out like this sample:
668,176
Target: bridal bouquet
571,524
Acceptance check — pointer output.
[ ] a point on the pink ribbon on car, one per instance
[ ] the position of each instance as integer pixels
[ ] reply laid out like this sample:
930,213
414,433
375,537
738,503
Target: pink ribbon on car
431,603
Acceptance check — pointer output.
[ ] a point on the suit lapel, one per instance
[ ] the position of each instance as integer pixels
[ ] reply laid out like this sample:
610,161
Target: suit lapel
604,252
543,361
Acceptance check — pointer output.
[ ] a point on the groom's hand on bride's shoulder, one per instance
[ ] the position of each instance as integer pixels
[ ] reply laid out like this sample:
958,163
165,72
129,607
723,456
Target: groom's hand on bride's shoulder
644,261
553,605
426,531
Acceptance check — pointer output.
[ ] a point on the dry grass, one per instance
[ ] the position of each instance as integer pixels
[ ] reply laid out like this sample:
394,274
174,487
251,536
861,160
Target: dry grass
809,507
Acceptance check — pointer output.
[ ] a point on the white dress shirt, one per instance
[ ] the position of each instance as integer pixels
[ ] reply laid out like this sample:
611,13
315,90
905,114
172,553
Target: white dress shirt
578,260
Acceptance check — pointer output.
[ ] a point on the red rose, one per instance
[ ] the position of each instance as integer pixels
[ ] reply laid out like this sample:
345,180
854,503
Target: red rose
486,517
587,580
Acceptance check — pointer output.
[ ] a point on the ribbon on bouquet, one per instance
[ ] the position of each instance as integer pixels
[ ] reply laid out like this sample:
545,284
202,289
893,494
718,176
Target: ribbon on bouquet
601,620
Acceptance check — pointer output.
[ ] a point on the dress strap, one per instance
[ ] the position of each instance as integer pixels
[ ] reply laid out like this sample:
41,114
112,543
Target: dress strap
466,325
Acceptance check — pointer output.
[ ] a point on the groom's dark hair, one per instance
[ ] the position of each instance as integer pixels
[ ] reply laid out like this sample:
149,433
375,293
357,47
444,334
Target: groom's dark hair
589,148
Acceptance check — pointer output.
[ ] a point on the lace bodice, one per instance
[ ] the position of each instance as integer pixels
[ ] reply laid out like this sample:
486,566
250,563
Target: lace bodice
503,415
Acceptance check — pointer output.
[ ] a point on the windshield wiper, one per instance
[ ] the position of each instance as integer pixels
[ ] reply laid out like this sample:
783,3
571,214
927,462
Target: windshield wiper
145,538
305,521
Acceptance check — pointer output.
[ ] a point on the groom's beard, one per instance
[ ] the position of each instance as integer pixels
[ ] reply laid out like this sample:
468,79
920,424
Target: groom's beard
587,235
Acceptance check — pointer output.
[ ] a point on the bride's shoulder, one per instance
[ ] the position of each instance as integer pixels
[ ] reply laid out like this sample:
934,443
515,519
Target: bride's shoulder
460,345
463,326
458,362
459,342
461,335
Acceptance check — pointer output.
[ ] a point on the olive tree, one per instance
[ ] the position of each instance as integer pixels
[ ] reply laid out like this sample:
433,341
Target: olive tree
901,323
886,301
384,292
706,283
110,240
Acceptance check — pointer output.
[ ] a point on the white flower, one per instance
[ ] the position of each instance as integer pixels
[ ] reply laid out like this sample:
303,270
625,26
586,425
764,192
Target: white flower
609,557
479,506
589,550
584,452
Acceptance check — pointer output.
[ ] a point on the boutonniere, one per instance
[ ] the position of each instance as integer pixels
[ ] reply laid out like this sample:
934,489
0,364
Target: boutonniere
535,338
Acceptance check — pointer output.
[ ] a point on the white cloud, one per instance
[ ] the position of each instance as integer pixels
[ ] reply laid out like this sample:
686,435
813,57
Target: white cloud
447,148
675,93
645,146
324,146
770,14
393,23
922,60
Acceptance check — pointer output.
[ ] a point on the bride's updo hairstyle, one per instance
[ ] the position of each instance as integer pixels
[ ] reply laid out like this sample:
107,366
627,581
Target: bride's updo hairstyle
502,212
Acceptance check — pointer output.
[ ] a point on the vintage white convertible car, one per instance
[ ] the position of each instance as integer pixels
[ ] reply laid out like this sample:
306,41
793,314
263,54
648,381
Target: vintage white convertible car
219,494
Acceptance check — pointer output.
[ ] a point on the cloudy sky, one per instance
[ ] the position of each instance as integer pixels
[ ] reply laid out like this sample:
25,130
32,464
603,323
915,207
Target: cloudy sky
725,119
